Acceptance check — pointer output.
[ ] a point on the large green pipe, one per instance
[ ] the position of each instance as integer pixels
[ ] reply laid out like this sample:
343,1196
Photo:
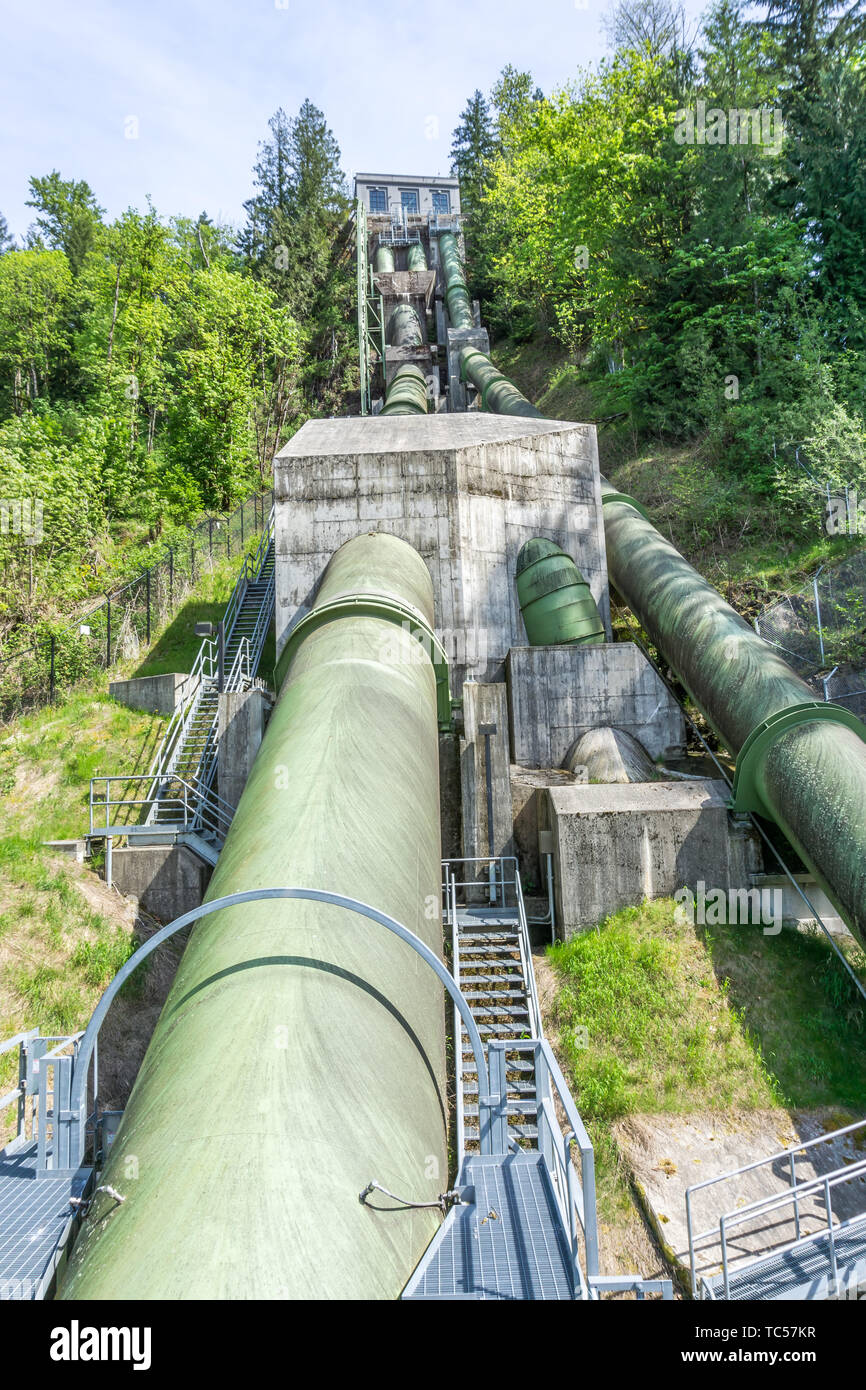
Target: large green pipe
806,771
416,259
383,260
555,599
498,394
407,393
404,327
456,293
300,1053
799,762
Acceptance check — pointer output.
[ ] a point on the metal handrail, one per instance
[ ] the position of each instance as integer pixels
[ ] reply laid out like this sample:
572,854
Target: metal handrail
791,1154
199,806
491,1102
821,1183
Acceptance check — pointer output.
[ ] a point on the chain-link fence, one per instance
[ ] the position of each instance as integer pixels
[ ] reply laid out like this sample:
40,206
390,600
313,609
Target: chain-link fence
821,631
50,660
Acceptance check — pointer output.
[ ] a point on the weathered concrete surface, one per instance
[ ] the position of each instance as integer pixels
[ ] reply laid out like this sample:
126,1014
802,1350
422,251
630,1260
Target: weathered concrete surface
167,880
555,694
669,1153
485,705
465,490
527,788
794,910
241,729
159,694
616,845
74,849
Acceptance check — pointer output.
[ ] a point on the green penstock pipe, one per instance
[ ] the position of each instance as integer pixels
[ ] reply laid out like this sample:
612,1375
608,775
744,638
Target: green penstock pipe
456,293
383,260
407,394
555,599
800,762
416,259
404,327
300,1053
498,394
805,771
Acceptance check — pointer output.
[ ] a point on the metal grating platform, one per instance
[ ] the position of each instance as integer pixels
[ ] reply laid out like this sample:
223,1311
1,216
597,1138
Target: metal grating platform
506,1242
35,1221
804,1272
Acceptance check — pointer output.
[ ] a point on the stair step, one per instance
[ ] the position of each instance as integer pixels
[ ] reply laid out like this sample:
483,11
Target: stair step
508,1010
517,1131
517,1107
496,995
520,1088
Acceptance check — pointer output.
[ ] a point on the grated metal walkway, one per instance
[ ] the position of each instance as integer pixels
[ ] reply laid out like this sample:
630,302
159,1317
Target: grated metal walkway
36,1220
505,1241
802,1272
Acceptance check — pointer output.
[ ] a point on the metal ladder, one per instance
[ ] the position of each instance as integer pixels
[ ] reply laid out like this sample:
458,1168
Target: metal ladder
492,964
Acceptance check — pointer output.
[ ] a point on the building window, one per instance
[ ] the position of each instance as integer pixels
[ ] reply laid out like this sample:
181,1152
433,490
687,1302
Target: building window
409,199
441,201
378,200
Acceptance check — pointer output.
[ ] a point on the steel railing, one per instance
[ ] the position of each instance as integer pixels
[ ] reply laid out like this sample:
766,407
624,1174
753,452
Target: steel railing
190,808
796,1191
45,1077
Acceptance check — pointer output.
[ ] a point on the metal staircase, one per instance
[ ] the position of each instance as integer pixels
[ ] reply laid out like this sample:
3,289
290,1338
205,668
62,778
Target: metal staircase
176,799
493,966
521,1224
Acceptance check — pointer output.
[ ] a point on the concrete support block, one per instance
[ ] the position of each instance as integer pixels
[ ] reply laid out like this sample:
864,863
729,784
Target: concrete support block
466,491
167,880
158,694
528,786
555,694
616,845
241,729
75,849
485,706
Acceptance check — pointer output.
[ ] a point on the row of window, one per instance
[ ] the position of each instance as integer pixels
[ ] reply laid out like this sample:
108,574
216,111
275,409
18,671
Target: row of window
409,200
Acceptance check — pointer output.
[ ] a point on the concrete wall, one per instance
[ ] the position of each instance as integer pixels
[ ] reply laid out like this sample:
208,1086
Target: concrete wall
616,845
241,729
485,705
556,693
167,880
159,694
465,490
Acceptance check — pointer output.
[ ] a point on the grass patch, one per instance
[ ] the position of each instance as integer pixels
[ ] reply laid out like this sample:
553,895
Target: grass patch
656,1017
802,1009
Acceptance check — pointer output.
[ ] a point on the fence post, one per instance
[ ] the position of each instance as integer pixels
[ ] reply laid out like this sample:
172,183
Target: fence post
243,504
170,579
147,587
108,632
192,556
51,678
229,538
818,615
210,536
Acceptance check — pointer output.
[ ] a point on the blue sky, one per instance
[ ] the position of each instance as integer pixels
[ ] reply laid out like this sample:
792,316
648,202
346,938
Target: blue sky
202,78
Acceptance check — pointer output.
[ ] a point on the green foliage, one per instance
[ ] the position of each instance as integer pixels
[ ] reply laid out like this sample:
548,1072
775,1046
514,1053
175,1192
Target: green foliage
150,369
706,279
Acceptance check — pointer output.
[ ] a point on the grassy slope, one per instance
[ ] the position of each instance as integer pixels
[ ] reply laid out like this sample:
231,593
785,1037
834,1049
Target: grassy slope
62,937
686,1020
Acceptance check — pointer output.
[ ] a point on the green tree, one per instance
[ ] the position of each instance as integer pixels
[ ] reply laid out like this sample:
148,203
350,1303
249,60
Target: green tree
68,215
35,297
